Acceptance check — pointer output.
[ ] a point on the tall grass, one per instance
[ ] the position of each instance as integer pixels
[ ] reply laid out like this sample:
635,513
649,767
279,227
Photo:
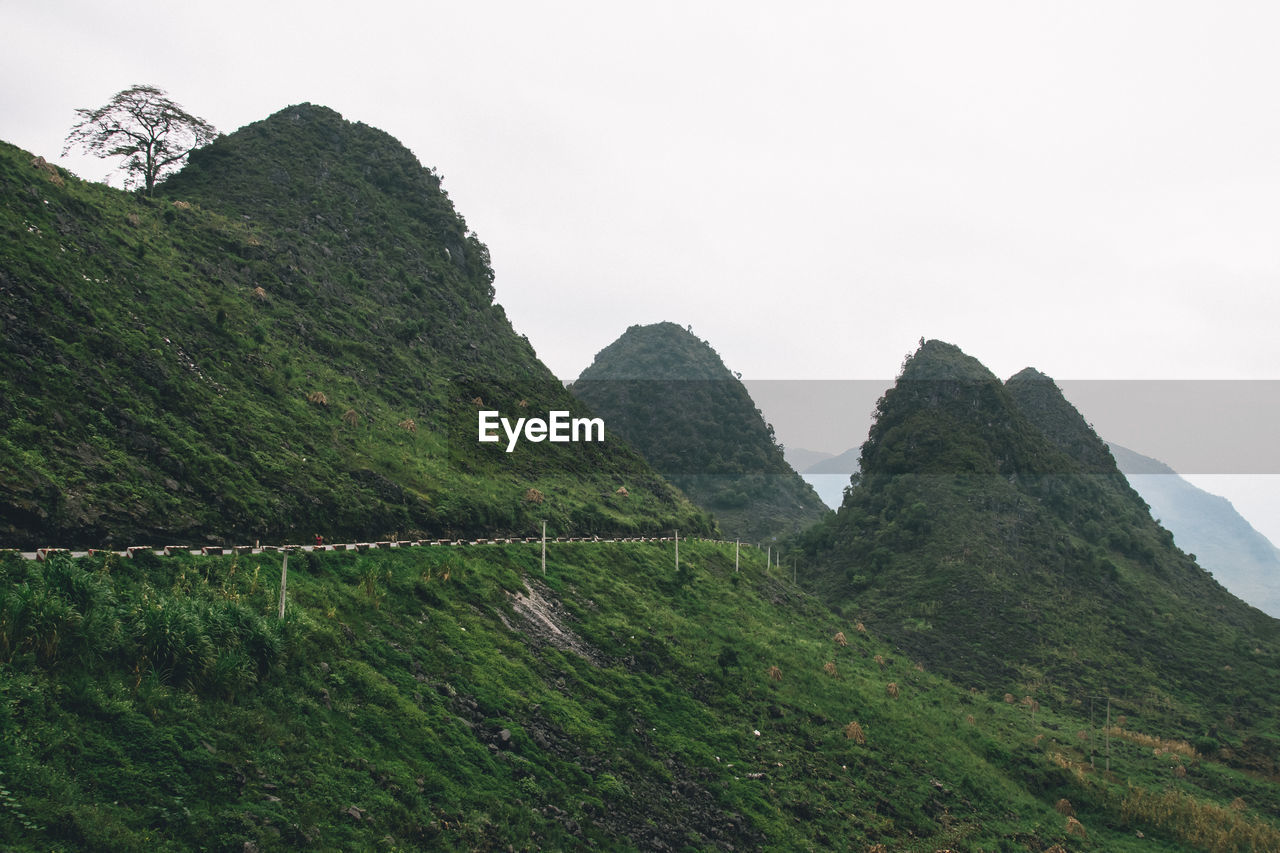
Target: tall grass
1218,829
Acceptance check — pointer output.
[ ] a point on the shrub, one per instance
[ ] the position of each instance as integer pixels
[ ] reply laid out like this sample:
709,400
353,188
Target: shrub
610,786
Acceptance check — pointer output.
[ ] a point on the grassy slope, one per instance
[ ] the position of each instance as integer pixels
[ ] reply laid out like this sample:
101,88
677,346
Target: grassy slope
158,357
374,716
669,395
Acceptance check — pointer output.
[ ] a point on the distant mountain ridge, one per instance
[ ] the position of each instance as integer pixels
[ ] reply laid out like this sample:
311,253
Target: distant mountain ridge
841,463
801,458
1241,558
671,397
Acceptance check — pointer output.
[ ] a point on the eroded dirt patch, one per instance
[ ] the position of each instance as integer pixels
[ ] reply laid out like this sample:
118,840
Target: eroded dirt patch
543,619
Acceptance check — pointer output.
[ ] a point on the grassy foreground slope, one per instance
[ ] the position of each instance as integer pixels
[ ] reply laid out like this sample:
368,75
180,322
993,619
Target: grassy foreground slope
293,337
668,393
456,698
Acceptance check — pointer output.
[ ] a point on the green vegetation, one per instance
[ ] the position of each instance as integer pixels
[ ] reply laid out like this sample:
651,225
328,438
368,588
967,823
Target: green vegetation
996,648
418,698
1016,558
292,337
671,397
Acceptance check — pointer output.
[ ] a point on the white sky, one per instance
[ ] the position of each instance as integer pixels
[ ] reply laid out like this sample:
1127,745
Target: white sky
1091,188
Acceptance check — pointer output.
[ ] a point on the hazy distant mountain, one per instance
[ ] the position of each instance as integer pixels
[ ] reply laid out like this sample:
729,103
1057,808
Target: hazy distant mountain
800,458
845,463
1241,558
830,476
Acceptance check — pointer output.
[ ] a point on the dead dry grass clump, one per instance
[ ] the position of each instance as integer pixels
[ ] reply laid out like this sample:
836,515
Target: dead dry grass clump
318,398
880,660
892,689
1161,746
774,673
1076,828
854,732
350,417
840,639
860,628
534,496
1200,824
830,668
1075,768
1064,808
408,425
1008,698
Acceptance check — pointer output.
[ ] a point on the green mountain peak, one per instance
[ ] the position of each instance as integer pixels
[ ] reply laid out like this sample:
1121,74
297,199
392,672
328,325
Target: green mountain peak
669,394
1002,552
294,336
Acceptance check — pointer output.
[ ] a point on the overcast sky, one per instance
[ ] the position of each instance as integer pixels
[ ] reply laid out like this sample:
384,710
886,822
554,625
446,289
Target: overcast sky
1089,188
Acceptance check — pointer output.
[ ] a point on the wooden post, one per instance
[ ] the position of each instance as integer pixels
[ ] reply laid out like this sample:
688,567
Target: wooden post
1107,730
768,557
677,538
1091,741
544,547
736,545
284,580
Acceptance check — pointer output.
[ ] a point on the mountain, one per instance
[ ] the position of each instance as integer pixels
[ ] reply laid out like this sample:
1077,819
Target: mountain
842,463
989,535
1240,558
670,396
317,353
294,336
799,458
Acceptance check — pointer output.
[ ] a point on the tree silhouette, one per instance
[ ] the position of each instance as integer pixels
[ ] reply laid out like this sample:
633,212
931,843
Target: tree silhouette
145,127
